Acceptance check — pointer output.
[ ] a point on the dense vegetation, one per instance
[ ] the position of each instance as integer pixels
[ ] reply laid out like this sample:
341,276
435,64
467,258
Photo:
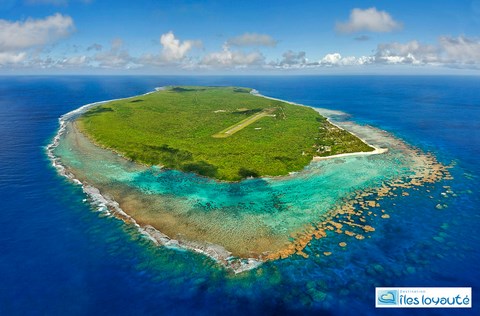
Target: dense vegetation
174,128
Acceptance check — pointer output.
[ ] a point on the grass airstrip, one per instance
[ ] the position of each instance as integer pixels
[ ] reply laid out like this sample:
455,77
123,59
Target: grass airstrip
220,132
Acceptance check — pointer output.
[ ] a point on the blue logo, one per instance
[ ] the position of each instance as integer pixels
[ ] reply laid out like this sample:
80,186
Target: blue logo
387,297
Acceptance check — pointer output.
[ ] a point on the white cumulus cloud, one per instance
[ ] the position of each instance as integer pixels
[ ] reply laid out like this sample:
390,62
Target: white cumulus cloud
227,57
174,52
34,32
252,39
298,60
331,59
370,20
291,58
461,49
411,52
173,49
336,59
7,58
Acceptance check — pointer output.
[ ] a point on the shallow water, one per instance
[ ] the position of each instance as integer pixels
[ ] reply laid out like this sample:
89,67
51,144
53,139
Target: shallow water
60,256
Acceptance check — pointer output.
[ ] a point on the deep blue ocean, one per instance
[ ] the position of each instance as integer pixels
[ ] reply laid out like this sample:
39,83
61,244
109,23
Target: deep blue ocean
58,256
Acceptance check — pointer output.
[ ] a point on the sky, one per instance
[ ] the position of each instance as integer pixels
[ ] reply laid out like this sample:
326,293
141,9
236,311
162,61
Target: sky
239,37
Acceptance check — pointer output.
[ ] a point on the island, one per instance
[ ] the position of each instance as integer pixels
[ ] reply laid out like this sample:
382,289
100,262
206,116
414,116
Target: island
234,175
226,133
